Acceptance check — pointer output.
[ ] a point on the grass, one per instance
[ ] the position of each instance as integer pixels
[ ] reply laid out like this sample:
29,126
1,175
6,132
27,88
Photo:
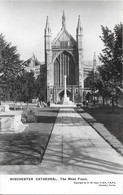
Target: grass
112,121
29,146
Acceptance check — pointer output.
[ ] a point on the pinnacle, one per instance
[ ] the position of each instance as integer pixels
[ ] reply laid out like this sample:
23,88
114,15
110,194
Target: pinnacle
63,20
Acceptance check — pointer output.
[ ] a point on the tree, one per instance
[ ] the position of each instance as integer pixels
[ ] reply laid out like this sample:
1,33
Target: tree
10,66
40,88
95,83
112,59
27,86
16,89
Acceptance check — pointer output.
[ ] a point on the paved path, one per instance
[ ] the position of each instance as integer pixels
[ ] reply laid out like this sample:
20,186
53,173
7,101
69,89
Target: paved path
74,148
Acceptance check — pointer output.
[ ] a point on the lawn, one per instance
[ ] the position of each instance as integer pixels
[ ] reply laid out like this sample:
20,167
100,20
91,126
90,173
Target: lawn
29,146
112,121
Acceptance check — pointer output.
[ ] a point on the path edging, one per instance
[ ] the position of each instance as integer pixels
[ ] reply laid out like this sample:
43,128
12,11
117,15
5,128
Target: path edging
103,132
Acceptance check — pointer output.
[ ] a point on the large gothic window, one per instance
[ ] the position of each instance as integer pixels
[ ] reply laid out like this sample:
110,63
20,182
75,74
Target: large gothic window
64,65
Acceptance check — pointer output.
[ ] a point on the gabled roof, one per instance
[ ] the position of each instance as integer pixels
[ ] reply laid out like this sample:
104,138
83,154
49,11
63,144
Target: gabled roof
63,32
28,62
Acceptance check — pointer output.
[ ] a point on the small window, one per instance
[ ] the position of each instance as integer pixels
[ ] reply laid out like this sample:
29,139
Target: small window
64,43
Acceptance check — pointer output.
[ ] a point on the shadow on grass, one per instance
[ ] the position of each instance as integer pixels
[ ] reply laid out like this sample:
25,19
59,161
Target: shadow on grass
80,110
113,121
23,148
45,119
29,146
11,108
49,110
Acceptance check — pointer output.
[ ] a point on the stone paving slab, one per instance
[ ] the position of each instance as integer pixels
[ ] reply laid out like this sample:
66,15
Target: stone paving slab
74,148
111,139
83,150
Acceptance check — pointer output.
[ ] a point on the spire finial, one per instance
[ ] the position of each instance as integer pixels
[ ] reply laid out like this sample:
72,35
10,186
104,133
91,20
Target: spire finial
47,22
79,28
63,20
94,61
94,58
79,22
47,28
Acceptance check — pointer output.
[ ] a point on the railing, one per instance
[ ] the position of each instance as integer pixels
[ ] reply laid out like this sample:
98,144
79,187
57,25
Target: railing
63,47
61,86
68,87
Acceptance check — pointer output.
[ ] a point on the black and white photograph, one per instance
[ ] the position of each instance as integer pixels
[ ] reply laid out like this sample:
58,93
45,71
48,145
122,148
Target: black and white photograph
61,90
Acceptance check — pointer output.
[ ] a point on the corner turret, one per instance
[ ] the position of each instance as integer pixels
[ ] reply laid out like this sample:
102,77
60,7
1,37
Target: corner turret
47,28
80,51
48,53
79,33
94,61
79,27
47,35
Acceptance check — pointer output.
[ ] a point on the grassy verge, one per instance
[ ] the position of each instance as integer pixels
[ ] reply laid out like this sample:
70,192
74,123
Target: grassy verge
29,146
112,121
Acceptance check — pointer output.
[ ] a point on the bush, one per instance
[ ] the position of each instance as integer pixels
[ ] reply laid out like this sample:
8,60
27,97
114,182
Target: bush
28,117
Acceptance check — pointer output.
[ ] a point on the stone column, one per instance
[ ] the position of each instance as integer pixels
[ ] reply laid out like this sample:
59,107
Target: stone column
65,91
66,99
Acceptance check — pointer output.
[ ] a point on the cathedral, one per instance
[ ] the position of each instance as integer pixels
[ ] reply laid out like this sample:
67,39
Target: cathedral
64,57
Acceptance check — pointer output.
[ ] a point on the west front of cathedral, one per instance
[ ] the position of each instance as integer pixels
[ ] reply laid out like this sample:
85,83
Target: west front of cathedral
64,57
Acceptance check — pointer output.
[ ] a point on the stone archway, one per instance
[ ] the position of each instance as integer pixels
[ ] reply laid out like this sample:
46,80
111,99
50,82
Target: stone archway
60,95
64,64
87,95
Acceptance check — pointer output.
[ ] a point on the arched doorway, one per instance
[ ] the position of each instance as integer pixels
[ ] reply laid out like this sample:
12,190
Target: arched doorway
64,64
87,82
61,96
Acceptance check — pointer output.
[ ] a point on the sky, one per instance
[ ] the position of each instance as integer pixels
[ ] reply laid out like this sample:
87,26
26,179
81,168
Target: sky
23,22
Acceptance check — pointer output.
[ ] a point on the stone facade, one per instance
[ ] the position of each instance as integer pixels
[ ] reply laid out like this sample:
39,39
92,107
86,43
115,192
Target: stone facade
64,56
